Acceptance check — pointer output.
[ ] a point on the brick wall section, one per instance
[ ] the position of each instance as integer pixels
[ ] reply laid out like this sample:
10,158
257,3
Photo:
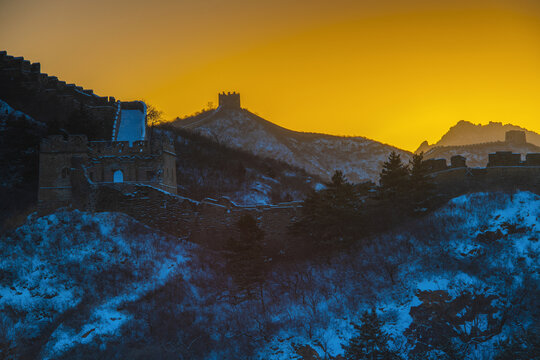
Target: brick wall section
458,181
211,222
45,98
205,223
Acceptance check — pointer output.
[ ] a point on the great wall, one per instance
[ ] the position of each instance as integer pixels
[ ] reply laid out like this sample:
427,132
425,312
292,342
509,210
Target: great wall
137,176
505,171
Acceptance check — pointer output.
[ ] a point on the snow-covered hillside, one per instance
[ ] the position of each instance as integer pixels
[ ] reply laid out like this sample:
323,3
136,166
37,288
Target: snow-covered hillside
76,265
208,169
359,158
104,286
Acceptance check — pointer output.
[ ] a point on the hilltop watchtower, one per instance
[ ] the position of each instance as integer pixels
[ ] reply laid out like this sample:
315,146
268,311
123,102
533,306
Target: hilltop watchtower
229,100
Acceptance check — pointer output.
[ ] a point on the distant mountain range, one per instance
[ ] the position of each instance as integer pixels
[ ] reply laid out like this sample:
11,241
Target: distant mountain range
359,158
476,142
467,133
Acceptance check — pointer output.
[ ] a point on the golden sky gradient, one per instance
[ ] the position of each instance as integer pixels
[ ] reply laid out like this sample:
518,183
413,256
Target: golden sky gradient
397,71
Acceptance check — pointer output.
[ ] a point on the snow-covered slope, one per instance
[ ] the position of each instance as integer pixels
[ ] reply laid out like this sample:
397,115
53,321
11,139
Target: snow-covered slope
208,169
74,263
484,244
359,158
87,285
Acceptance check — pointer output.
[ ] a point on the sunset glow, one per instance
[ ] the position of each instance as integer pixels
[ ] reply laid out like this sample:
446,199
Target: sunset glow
399,72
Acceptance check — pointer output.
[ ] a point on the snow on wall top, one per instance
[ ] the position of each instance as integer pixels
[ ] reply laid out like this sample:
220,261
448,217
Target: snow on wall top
132,125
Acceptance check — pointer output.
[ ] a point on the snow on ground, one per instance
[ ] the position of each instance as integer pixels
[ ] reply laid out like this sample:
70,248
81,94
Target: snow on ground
65,259
464,217
72,260
132,125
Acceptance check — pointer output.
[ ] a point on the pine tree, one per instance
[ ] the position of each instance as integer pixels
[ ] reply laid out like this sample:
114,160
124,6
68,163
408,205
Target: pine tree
371,343
394,176
420,184
522,345
245,258
338,180
332,215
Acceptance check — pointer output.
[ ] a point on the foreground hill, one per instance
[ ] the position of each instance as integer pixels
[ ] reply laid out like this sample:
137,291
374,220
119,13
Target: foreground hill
454,284
467,133
207,168
359,158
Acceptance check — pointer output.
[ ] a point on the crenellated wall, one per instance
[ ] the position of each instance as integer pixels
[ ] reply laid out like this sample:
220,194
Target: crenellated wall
54,102
205,222
63,160
457,181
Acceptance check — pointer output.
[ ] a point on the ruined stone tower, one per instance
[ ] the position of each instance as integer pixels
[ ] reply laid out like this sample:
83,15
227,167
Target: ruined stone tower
516,137
229,100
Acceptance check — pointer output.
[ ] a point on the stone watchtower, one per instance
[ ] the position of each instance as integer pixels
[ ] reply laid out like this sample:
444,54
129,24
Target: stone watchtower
71,168
59,158
229,100
516,137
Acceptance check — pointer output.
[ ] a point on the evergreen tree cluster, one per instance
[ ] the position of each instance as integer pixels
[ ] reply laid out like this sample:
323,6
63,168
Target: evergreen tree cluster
405,183
371,342
332,215
246,261
343,212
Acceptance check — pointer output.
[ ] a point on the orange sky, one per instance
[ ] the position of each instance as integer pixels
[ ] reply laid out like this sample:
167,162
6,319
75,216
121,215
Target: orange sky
397,71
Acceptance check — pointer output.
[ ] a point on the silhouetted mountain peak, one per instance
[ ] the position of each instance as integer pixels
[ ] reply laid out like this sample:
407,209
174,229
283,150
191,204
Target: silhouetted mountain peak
468,133
424,146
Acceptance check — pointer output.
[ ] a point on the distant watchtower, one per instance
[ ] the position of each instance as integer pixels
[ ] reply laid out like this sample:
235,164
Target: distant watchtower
516,137
229,100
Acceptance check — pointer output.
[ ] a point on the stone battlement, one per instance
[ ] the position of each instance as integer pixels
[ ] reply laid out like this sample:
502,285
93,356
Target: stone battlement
80,143
12,65
499,158
18,63
123,148
57,143
133,105
119,148
52,101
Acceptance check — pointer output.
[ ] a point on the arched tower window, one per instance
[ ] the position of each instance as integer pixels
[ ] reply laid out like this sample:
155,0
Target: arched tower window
118,176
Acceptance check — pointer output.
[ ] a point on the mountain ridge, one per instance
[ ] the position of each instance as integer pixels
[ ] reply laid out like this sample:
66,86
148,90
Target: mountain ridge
468,133
321,154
